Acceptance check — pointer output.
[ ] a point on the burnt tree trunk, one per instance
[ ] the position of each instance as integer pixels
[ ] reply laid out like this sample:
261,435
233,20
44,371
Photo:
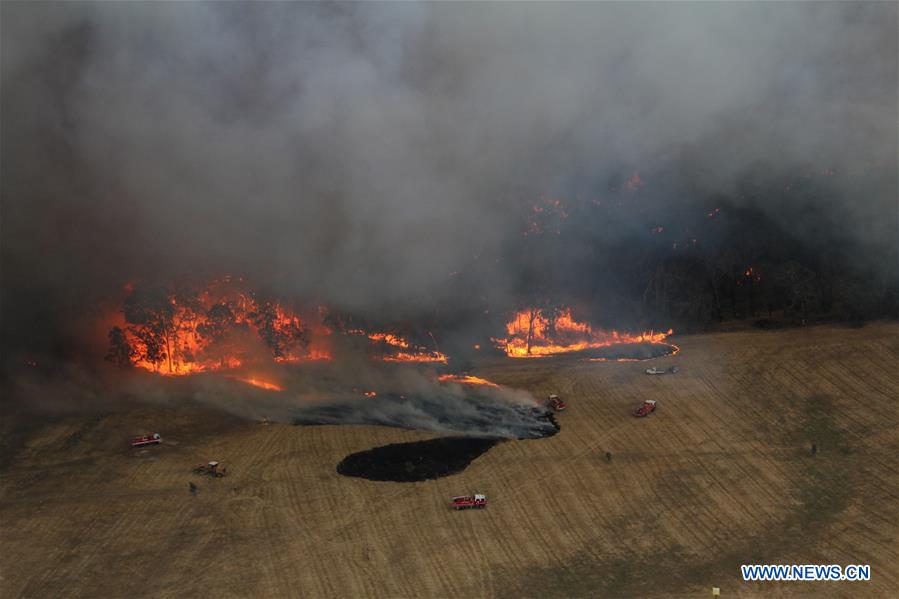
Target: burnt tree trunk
532,316
733,297
752,296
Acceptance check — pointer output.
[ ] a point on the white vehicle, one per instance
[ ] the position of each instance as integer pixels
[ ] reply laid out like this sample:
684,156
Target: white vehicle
655,370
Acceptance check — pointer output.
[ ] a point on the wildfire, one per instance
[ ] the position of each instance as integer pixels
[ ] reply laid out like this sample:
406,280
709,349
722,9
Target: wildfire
536,333
399,349
223,326
259,383
750,273
546,217
465,380
634,182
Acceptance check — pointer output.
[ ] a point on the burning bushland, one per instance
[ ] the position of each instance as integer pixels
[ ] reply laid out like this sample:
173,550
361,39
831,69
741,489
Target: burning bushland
224,325
480,411
396,193
537,332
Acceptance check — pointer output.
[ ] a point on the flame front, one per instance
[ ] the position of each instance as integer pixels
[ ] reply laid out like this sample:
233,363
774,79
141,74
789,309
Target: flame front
463,379
259,383
533,333
399,349
223,327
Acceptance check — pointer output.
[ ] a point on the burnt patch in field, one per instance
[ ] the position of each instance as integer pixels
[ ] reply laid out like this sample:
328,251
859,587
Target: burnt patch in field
426,460
416,461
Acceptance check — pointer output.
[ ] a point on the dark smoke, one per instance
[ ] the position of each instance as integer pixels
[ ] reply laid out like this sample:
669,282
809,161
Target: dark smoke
479,414
360,154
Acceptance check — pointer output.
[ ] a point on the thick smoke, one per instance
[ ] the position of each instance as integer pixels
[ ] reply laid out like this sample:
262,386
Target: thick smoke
422,404
358,154
311,394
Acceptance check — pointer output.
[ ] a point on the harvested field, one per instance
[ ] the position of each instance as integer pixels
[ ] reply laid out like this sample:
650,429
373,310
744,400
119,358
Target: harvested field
722,474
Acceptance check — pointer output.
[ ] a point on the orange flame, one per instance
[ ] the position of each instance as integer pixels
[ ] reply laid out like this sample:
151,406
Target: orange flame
259,383
400,350
223,327
532,334
465,380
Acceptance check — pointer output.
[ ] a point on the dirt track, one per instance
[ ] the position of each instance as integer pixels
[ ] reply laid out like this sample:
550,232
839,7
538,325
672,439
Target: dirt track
721,475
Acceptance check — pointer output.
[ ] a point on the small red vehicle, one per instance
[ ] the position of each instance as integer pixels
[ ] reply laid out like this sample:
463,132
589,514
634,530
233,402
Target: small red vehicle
556,403
468,502
151,439
646,409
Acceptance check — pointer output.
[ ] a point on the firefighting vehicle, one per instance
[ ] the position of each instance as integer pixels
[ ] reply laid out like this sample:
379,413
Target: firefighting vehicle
556,403
467,502
211,469
648,407
655,370
151,439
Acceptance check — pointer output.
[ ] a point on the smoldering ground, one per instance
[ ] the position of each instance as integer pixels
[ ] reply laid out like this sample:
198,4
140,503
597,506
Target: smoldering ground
344,392
387,395
384,158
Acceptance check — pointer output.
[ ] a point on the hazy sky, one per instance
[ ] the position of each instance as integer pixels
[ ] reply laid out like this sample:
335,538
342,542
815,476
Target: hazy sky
358,153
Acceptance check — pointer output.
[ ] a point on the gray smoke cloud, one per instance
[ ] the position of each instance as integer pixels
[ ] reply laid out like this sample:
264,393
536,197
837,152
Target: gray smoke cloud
333,393
357,154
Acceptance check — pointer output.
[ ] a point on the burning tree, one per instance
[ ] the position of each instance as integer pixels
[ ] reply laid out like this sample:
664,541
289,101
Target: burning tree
184,330
150,314
552,330
281,331
120,351
193,329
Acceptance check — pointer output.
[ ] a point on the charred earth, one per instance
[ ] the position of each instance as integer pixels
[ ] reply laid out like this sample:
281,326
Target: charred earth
416,461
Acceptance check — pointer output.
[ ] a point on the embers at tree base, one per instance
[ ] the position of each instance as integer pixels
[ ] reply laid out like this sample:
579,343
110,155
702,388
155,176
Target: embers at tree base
541,332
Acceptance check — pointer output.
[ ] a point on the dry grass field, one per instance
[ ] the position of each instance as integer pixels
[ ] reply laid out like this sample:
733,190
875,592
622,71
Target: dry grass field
721,475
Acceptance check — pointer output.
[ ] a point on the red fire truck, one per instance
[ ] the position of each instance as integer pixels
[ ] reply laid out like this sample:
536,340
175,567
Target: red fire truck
646,409
556,403
467,502
151,439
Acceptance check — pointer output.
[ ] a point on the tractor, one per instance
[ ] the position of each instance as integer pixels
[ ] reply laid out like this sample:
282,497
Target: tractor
211,469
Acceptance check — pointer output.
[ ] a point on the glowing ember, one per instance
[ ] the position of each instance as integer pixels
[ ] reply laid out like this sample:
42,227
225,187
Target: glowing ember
671,350
533,333
258,383
465,380
398,349
751,275
634,182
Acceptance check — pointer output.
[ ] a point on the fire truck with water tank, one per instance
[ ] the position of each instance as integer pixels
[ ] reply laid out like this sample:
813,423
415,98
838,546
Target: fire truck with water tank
467,502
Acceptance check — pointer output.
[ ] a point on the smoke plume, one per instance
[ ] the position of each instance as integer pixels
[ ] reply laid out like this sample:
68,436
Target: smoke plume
384,158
